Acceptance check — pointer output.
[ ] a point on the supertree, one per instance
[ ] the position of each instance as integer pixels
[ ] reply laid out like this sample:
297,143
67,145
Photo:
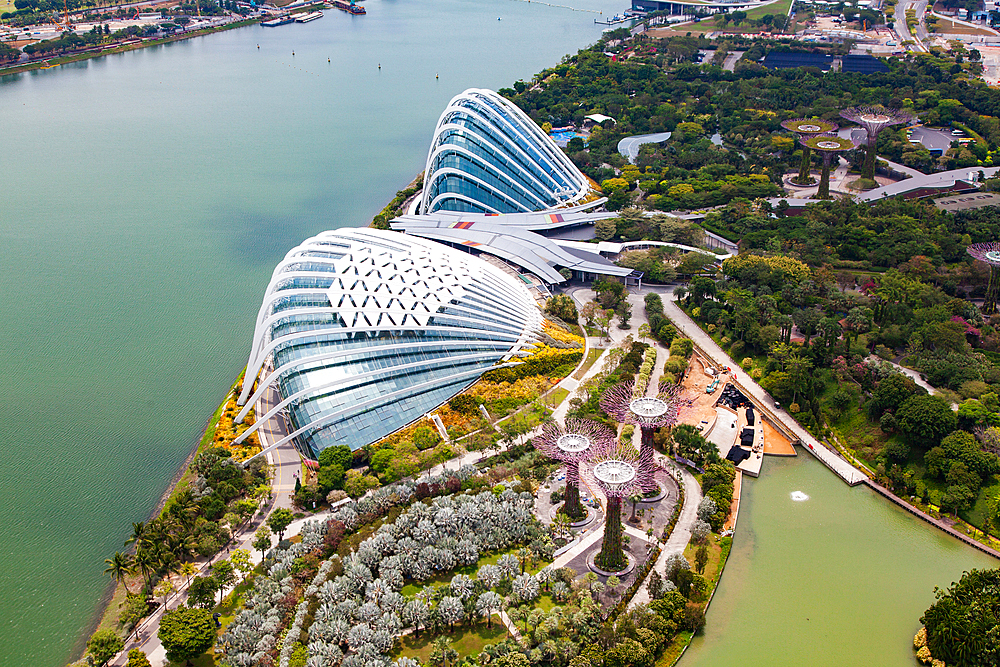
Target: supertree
573,444
648,414
827,146
874,118
989,253
617,475
807,127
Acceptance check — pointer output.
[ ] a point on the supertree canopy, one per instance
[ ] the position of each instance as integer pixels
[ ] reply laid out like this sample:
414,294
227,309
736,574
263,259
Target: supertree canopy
648,414
874,119
827,146
579,441
616,474
989,253
807,127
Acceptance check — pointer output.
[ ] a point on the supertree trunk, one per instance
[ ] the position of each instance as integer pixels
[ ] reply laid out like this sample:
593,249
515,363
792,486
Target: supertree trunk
992,287
647,466
805,166
869,169
824,180
612,557
571,507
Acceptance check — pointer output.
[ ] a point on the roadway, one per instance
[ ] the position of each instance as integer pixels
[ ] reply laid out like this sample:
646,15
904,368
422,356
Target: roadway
903,30
285,459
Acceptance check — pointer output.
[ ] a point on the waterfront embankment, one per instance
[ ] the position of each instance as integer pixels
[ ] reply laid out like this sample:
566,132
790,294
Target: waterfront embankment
107,614
109,50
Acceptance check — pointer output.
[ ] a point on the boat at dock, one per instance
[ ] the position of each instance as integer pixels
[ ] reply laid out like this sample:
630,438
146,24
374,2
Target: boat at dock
306,18
349,6
278,20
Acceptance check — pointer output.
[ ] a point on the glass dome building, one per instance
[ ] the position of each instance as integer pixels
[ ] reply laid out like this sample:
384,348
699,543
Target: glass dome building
362,331
488,156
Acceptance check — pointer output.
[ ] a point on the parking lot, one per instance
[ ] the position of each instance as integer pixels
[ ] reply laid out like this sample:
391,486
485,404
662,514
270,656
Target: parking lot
936,140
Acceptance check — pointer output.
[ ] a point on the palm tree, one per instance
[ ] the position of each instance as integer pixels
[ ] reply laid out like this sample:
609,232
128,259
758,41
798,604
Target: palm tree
188,570
139,534
119,567
145,562
488,604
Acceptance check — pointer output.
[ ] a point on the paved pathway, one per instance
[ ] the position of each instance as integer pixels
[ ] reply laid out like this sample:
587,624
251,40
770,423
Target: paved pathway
913,375
685,324
681,534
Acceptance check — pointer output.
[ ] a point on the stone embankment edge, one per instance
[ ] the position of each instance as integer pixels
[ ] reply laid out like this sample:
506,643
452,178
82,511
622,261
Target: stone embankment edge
882,491
114,50
889,495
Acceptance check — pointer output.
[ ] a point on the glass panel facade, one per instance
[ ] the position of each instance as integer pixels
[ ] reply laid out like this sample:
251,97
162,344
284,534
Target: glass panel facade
346,379
487,156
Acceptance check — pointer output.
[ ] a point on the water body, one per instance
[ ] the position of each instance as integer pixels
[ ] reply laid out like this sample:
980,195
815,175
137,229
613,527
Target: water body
146,199
824,575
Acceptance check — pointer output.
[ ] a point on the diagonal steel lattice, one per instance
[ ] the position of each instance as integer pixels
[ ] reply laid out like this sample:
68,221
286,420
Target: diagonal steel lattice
989,254
807,127
579,441
648,413
874,118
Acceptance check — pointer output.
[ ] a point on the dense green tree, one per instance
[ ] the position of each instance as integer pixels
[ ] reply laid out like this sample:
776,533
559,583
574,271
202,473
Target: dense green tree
201,591
279,520
136,658
339,455
924,420
563,307
104,645
186,633
963,625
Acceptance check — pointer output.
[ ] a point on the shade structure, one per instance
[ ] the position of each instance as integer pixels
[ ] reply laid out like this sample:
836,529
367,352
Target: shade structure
648,413
827,146
874,118
579,441
617,475
807,127
989,253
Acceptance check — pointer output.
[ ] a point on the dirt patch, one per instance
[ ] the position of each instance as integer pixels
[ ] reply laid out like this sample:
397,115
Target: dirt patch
775,444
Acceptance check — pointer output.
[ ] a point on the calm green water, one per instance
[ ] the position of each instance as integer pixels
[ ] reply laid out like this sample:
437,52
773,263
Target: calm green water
146,198
838,579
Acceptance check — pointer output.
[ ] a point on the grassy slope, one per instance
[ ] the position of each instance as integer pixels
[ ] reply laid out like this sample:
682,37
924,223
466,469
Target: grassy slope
708,25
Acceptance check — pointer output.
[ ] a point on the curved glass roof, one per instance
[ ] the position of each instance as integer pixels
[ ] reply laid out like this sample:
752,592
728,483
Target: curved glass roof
488,156
363,331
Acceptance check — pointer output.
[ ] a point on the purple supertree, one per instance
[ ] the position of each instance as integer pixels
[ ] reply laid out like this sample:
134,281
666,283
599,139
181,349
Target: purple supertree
827,146
874,118
616,472
648,414
989,253
805,128
573,444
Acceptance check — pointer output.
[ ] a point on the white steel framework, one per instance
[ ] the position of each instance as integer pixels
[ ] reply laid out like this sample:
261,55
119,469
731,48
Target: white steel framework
488,156
365,330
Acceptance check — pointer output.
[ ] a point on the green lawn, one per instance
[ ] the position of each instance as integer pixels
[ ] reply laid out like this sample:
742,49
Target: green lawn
556,397
977,515
708,25
464,639
592,357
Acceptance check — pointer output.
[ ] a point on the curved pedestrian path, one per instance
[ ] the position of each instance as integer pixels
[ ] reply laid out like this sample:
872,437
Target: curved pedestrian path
681,534
689,328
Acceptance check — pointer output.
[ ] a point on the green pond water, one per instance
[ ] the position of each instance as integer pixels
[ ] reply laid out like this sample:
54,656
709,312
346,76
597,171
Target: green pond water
146,198
840,578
